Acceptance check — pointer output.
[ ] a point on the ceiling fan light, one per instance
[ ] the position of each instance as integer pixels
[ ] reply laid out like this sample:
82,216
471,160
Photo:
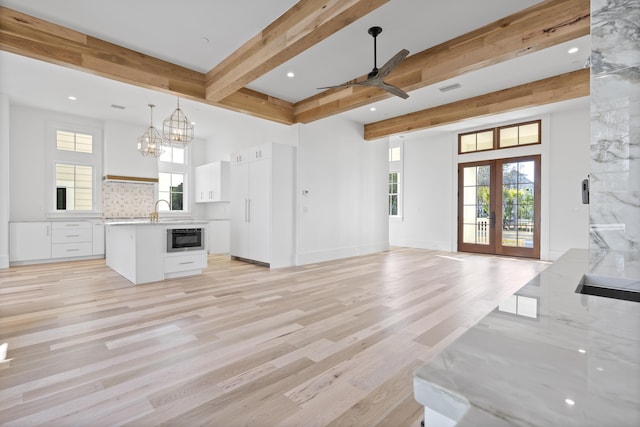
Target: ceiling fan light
177,129
150,143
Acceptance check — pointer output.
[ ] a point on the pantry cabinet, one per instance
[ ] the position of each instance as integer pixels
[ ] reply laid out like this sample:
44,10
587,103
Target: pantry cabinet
262,204
212,182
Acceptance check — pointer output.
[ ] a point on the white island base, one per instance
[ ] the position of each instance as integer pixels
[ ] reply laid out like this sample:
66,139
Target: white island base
137,251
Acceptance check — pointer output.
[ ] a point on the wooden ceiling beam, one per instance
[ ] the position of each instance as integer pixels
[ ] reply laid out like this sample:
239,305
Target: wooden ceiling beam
36,38
543,25
553,89
308,22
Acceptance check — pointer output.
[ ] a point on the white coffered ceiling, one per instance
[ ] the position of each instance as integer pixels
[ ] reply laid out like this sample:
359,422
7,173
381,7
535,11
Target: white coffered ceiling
199,34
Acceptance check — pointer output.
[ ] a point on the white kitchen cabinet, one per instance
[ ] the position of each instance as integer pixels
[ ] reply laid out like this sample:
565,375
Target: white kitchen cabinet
262,205
47,241
98,239
71,239
29,241
219,237
212,182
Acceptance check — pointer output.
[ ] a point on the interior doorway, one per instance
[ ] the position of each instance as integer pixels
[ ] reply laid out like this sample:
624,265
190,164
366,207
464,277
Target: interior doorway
499,207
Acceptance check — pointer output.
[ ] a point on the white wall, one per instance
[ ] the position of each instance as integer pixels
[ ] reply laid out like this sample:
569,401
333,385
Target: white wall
427,183
344,212
4,180
430,182
28,150
569,164
121,156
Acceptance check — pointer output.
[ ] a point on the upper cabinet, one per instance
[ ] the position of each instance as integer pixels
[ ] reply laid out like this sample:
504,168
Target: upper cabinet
212,182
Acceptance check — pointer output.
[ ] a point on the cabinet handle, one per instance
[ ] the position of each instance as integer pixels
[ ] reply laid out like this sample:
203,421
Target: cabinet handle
245,209
72,235
48,230
73,250
73,225
249,211
186,262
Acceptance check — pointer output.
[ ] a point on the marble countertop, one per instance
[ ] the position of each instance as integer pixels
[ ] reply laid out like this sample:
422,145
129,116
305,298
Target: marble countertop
162,222
546,357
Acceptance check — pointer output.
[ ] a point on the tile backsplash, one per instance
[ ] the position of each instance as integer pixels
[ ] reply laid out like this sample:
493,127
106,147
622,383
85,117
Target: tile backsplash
127,199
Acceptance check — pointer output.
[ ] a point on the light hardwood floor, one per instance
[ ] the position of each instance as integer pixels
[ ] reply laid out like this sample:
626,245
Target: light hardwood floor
325,344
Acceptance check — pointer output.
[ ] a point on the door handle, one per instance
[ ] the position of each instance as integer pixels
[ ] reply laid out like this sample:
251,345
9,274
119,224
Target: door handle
249,214
246,209
492,220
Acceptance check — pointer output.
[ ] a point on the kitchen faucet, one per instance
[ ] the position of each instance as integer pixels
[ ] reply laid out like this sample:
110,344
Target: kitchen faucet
153,216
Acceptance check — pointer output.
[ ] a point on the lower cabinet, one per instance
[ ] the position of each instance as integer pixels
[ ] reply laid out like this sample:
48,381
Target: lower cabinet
50,240
29,241
181,263
71,239
219,237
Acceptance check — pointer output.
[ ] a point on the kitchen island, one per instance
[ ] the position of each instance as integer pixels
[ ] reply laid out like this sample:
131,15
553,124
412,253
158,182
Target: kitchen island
546,357
138,250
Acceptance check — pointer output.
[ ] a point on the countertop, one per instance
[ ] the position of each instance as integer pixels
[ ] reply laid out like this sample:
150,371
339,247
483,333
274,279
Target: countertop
565,359
162,222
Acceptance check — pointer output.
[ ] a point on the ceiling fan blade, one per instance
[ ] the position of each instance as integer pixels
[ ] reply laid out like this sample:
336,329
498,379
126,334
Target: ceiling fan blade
392,63
394,90
363,83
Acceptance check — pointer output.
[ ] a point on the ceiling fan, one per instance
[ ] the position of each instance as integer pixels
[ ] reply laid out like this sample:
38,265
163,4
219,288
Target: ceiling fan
376,76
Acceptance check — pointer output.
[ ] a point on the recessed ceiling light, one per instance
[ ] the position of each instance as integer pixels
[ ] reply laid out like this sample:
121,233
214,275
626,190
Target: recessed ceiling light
290,74
71,97
582,350
372,109
573,50
569,402
193,123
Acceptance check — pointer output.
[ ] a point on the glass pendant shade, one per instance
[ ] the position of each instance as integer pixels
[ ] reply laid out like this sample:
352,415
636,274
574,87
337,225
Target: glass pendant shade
177,130
150,143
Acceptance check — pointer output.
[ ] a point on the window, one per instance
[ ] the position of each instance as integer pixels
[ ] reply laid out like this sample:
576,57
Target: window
74,187
171,179
393,194
395,166
501,137
520,134
75,168
72,141
171,189
476,141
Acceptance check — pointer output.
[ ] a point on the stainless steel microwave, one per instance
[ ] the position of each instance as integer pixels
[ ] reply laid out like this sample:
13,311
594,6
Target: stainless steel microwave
185,239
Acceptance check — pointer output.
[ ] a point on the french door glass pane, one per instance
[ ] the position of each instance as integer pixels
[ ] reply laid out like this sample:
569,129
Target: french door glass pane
475,214
518,181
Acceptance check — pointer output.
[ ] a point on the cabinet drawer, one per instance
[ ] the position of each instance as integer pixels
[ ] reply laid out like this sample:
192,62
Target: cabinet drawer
71,235
63,225
173,264
67,250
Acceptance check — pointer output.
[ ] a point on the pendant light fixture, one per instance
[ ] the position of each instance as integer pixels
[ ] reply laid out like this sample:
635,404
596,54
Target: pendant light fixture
177,130
150,143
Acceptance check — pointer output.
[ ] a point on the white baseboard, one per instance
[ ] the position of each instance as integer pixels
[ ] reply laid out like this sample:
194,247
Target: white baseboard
338,253
4,261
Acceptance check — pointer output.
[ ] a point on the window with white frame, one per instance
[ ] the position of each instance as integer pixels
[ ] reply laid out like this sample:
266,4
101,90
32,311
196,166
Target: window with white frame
172,167
395,171
75,168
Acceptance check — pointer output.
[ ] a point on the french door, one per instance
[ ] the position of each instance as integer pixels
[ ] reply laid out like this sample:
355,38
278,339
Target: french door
499,207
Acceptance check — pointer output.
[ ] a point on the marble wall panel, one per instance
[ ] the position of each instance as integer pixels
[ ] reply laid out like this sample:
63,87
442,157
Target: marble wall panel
615,133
